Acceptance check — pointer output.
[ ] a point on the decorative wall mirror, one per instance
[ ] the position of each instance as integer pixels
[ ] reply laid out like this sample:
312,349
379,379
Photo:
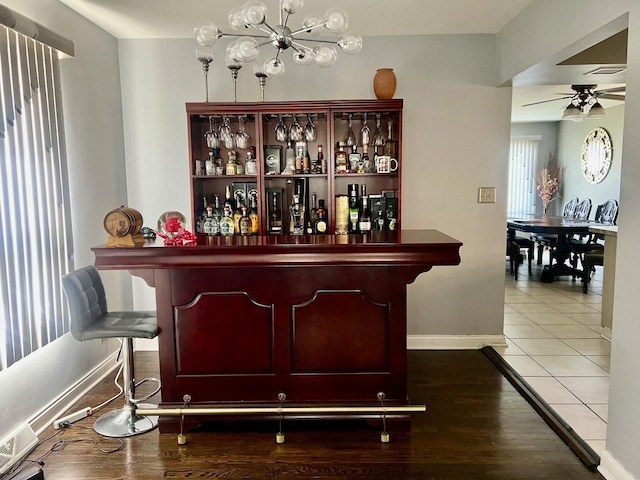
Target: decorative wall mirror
595,159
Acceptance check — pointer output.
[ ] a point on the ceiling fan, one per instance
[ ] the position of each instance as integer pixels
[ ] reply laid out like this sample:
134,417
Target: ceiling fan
585,100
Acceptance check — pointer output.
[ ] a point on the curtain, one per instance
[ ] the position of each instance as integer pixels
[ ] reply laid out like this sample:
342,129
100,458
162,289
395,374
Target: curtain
35,230
521,198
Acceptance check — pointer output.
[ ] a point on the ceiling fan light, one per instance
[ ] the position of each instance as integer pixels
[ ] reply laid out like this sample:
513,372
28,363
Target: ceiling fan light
596,111
572,113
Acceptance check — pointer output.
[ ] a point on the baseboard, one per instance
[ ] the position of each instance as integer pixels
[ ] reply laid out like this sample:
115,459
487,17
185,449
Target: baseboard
611,469
454,342
75,392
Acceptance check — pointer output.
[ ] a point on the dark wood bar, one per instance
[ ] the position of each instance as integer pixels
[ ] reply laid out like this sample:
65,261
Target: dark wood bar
319,318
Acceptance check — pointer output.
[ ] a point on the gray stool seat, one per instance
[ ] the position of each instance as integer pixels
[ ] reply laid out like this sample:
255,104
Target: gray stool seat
90,320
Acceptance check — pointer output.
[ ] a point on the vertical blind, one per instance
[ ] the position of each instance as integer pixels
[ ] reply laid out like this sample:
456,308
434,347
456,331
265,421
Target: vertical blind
521,198
35,231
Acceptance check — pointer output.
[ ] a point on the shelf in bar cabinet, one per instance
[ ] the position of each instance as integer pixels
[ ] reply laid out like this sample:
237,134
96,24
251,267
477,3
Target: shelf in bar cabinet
235,177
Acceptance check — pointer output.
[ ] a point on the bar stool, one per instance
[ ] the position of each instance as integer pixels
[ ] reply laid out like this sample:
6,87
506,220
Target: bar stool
91,320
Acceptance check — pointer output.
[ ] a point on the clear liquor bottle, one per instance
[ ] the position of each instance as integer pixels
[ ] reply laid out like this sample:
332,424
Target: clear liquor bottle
217,213
296,210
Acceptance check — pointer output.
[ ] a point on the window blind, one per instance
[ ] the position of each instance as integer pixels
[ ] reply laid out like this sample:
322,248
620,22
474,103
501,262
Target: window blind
35,234
521,198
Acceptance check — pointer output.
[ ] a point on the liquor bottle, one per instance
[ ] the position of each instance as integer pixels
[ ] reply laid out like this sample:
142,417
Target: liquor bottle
232,166
255,218
209,225
321,223
309,229
289,159
226,222
379,222
296,210
202,214
354,160
390,144
210,165
341,159
364,222
217,162
237,215
239,166
354,209
313,214
245,222
275,216
306,162
228,199
321,161
301,148
217,213
250,166
391,218
366,161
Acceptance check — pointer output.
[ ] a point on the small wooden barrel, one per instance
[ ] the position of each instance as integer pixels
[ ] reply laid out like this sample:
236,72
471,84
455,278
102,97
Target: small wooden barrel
123,221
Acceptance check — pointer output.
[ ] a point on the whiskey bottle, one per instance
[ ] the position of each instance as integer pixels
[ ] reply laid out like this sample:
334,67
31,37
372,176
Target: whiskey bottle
255,218
341,159
321,223
306,162
226,222
367,166
296,210
275,216
245,222
301,148
364,222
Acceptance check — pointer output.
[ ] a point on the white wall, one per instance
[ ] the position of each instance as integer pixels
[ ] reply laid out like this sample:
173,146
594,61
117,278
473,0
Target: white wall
571,137
450,149
93,121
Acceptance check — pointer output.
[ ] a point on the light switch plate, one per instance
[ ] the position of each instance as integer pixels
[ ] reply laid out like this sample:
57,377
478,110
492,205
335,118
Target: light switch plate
487,195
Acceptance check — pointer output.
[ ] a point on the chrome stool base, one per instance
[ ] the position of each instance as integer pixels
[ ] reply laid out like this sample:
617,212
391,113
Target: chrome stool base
124,422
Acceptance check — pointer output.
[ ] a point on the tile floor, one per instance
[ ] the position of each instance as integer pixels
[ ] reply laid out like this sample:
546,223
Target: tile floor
554,341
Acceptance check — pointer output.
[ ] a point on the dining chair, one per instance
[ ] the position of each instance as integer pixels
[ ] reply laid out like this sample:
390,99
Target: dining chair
606,213
550,240
515,246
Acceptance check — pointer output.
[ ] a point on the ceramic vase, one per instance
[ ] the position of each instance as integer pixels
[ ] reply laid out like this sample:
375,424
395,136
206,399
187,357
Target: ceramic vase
384,83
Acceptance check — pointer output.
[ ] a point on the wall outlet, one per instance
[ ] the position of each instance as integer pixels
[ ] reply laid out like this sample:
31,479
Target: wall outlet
487,195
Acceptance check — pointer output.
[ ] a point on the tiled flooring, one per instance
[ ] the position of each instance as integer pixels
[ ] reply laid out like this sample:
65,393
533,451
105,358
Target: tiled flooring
554,342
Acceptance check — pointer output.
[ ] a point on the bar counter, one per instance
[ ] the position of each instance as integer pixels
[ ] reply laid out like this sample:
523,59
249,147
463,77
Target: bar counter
320,318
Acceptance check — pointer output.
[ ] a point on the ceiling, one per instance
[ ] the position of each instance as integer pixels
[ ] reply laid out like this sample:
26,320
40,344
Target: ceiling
132,19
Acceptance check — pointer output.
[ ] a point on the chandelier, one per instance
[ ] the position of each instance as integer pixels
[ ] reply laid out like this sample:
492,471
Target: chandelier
306,50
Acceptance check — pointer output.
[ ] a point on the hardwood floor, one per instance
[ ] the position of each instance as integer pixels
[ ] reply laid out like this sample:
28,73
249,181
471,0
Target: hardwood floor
477,426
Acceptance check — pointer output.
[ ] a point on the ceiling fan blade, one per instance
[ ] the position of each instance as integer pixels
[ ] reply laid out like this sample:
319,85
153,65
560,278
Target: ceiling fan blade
607,96
547,101
610,90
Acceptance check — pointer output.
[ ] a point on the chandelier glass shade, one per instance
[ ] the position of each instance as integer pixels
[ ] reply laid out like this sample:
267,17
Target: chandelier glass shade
255,30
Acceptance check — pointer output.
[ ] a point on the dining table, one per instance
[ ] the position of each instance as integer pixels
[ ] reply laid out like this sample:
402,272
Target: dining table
563,227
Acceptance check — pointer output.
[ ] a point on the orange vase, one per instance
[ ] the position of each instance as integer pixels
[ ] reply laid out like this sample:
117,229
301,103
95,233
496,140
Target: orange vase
384,83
